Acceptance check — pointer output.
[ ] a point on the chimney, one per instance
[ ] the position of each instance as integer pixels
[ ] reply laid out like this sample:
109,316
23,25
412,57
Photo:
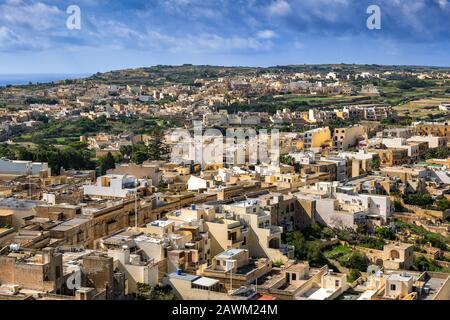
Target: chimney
47,254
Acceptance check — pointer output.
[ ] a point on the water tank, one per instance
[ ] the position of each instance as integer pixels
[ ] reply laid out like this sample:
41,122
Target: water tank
14,247
179,272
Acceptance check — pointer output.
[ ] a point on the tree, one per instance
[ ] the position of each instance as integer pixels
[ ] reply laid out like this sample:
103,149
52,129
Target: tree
105,163
418,199
143,291
306,250
126,151
376,164
67,157
439,153
371,242
139,157
441,204
385,233
314,251
328,233
162,293
421,263
355,260
353,276
157,149
297,240
289,160
313,232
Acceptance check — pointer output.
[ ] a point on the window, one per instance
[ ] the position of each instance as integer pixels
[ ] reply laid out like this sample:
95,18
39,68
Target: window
393,287
337,283
293,276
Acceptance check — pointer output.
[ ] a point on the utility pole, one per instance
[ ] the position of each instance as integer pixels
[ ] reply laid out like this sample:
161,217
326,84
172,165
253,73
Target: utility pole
135,210
231,280
30,171
230,265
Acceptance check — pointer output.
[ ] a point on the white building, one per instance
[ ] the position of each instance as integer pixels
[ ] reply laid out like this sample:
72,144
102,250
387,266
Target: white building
401,143
24,168
197,184
136,269
114,186
307,157
433,142
374,205
342,210
444,107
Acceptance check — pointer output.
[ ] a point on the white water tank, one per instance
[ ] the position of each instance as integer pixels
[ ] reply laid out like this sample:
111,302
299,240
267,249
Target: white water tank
14,247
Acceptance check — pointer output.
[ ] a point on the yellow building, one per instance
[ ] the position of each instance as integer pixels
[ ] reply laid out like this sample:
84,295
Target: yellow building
440,129
345,138
317,138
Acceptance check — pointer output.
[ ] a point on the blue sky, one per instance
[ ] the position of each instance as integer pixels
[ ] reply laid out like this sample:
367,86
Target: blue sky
120,34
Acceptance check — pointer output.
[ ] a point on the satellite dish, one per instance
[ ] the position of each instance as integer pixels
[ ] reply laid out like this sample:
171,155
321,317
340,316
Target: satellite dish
373,270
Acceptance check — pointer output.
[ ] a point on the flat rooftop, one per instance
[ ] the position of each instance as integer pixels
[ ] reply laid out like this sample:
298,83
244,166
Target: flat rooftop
247,203
184,276
205,282
160,223
72,223
122,237
229,253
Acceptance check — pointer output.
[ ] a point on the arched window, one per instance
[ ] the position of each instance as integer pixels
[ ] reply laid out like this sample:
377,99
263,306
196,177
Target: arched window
394,254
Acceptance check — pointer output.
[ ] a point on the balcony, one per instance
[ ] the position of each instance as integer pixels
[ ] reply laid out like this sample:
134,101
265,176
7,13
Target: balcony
287,250
234,240
274,230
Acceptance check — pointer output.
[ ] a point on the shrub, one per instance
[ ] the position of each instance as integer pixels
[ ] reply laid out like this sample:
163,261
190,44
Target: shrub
306,250
353,276
418,199
355,260
421,263
385,233
337,252
372,242
277,263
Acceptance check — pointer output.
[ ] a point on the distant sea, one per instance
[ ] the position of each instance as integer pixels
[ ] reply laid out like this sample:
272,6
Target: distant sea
19,79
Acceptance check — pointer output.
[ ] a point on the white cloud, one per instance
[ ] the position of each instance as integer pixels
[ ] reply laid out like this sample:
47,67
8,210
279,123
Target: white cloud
5,34
266,34
279,8
205,43
442,3
35,15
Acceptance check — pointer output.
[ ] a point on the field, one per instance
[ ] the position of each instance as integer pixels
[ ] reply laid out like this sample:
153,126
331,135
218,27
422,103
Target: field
421,108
